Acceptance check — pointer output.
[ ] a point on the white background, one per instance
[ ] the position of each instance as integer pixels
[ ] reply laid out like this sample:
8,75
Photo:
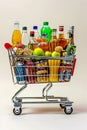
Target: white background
34,12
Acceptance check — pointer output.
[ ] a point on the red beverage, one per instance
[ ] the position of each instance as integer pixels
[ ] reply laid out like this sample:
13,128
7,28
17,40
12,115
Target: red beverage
30,71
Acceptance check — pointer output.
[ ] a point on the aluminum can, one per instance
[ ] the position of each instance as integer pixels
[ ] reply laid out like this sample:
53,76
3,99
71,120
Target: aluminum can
67,75
20,72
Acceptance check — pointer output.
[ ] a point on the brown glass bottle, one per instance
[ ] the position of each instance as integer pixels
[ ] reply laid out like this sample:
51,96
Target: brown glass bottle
53,42
61,39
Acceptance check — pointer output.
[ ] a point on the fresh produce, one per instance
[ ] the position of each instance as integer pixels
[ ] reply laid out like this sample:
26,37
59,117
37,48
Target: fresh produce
48,53
44,46
38,52
54,54
71,49
58,48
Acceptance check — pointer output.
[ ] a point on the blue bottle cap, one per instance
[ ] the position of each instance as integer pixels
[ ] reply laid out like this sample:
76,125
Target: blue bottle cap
35,27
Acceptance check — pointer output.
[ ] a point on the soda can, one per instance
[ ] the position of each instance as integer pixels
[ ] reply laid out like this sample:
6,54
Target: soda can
67,75
20,72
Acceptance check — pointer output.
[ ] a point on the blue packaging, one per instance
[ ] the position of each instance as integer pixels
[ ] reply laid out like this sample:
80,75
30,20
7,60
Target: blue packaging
67,75
20,72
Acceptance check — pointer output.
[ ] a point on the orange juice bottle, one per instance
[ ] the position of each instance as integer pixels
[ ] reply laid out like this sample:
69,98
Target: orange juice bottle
16,35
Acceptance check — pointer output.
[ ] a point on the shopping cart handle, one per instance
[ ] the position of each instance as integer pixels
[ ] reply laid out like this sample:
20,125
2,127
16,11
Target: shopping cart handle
8,46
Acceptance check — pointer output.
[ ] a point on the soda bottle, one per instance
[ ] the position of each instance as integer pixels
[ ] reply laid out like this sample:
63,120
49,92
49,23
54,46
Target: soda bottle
46,30
16,35
25,37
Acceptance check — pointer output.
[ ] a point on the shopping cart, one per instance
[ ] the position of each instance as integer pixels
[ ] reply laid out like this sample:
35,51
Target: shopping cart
40,69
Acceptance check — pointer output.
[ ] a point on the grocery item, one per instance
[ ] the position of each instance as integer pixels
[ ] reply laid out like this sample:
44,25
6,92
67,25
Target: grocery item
38,52
20,72
61,73
16,35
53,41
53,70
71,34
55,54
45,29
30,71
42,71
48,53
44,46
32,44
70,49
36,32
25,37
67,75
58,49
61,39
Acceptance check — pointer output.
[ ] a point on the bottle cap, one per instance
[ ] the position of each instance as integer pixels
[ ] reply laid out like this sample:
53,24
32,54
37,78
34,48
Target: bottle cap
45,23
61,28
35,27
16,23
31,33
24,28
54,30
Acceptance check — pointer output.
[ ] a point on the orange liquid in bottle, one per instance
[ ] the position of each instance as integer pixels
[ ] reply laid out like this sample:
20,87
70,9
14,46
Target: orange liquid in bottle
16,37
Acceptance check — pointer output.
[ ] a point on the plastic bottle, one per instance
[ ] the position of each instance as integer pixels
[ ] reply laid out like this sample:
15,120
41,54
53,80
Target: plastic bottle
25,37
16,35
36,32
45,29
32,44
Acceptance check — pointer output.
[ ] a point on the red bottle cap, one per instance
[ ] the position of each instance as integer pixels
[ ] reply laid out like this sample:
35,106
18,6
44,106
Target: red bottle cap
61,28
31,32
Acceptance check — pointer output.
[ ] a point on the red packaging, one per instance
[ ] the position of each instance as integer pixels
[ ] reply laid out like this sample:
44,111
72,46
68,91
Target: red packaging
30,71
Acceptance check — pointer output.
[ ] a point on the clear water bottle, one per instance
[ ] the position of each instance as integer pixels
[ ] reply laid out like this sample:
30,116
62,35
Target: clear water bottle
46,30
25,37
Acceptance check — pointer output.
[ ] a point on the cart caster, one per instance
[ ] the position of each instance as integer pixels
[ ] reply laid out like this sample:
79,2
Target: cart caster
68,110
17,111
62,106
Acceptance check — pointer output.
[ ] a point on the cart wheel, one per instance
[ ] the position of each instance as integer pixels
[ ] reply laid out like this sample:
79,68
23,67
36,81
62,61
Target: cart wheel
17,111
62,106
68,110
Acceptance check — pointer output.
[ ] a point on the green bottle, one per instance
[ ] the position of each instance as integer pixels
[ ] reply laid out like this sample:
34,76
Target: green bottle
46,30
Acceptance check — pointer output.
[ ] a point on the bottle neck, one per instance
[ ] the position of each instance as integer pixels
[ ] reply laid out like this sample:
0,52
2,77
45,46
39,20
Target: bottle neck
54,34
16,27
24,31
61,31
61,35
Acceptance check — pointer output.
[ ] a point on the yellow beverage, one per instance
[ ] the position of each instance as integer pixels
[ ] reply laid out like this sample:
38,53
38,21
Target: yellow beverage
16,35
53,70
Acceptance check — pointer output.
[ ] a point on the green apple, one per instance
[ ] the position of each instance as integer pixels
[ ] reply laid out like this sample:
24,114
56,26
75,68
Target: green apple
55,54
48,53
